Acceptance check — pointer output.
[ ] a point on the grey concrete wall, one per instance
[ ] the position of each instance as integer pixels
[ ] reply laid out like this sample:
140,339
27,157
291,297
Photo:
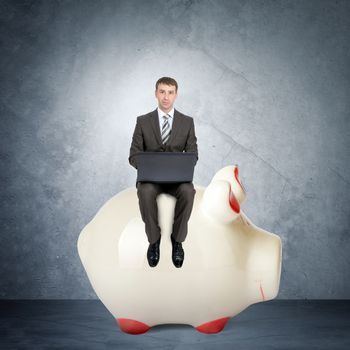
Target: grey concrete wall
267,83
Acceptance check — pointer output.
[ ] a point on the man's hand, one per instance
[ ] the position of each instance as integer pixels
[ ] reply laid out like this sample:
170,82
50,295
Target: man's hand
136,144
191,143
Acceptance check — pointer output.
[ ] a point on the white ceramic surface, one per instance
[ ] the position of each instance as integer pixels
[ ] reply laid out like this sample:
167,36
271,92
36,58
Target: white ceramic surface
229,262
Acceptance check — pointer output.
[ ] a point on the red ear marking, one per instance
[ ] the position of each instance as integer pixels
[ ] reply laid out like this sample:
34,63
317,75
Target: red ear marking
237,179
234,204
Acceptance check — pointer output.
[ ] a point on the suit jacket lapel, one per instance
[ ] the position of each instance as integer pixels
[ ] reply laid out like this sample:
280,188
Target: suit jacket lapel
155,126
175,127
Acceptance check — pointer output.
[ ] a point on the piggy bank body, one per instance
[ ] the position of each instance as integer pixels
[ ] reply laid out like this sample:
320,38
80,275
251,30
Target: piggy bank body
229,262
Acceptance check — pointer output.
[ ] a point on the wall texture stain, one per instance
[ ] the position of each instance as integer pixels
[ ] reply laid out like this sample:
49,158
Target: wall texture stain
267,83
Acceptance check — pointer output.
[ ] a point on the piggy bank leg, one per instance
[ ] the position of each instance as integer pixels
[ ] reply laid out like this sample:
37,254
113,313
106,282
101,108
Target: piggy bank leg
215,326
132,326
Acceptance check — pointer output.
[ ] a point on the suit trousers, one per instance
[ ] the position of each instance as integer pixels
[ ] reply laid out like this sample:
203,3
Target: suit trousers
147,193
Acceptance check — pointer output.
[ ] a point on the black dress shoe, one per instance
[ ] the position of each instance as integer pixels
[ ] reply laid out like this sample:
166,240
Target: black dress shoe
153,253
178,254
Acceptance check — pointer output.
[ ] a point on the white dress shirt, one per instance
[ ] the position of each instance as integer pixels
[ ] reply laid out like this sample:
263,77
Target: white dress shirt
161,119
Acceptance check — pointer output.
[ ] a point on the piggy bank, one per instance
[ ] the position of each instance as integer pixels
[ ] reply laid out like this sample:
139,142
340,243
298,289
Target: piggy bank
229,262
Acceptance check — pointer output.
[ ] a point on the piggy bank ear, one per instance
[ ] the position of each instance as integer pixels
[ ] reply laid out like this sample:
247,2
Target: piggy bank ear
231,175
219,202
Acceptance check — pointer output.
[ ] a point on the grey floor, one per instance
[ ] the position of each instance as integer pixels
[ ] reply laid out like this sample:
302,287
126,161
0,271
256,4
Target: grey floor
86,324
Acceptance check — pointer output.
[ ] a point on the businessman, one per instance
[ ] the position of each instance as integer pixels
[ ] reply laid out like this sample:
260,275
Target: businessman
164,130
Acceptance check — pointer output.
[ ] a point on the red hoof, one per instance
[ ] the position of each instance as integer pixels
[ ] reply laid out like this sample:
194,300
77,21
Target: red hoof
215,326
132,326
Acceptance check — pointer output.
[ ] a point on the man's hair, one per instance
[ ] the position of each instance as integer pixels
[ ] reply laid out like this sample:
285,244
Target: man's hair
167,81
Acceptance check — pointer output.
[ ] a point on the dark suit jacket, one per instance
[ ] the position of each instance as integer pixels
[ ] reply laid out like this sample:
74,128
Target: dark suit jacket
147,136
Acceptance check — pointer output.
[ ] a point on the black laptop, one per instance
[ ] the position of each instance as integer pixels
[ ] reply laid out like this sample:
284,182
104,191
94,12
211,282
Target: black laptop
165,167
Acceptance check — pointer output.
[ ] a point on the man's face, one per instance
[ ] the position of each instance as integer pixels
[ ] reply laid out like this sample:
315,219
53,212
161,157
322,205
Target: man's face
166,96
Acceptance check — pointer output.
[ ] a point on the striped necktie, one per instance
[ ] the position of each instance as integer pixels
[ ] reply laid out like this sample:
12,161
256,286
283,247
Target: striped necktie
165,129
